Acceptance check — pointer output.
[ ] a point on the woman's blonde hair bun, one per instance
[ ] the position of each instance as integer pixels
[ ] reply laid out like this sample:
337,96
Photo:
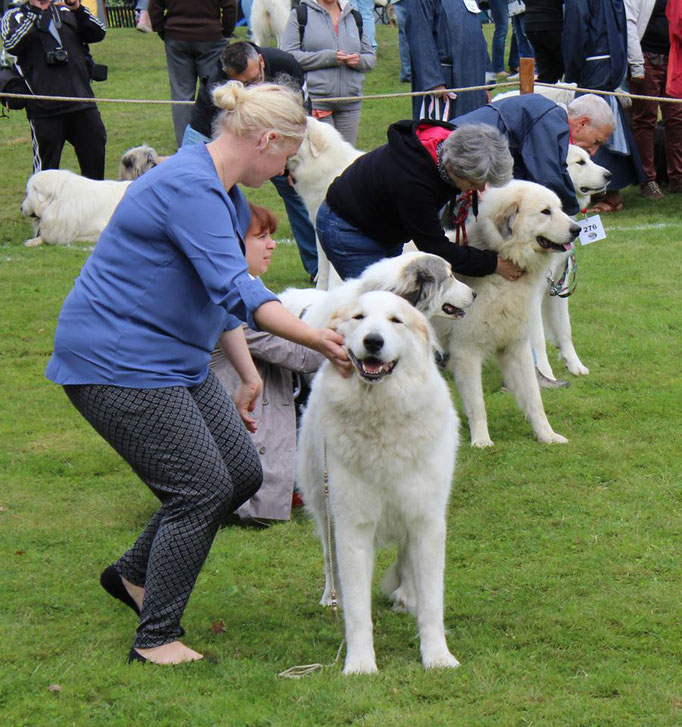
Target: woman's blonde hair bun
228,95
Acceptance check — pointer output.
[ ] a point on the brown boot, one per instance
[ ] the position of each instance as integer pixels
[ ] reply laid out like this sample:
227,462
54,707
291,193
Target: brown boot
651,190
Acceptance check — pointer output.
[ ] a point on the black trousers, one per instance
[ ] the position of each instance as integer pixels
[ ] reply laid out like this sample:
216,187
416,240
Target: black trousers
548,58
84,130
189,446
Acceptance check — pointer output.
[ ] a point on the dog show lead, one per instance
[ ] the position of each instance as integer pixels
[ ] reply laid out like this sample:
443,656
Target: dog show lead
395,193
133,341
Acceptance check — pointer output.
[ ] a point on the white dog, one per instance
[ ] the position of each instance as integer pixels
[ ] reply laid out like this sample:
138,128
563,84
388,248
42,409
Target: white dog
268,20
388,437
136,161
69,208
322,156
426,281
551,319
524,223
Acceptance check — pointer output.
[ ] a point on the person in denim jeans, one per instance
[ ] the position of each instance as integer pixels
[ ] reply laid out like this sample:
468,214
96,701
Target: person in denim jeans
403,46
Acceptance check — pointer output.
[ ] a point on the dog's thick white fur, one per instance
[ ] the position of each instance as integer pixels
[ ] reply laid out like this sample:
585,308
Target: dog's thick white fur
268,20
136,161
426,281
69,208
523,222
551,319
388,436
323,155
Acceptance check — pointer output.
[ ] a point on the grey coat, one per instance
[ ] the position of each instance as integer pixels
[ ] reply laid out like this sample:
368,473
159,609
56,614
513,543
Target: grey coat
277,361
317,54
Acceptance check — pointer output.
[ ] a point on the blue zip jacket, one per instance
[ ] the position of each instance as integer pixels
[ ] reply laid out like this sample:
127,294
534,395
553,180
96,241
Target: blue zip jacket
166,277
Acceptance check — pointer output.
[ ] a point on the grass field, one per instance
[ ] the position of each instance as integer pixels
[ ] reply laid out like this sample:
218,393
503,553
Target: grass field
562,596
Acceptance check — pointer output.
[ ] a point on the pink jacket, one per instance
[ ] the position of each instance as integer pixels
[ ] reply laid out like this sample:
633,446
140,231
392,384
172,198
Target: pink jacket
674,81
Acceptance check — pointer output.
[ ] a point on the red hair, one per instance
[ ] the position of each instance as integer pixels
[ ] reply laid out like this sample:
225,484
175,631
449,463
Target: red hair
262,220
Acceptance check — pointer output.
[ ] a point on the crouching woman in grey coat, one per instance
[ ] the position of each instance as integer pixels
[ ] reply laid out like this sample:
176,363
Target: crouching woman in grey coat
280,364
329,41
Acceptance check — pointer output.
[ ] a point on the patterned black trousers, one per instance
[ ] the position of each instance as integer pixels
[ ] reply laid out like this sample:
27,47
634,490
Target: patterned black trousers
189,446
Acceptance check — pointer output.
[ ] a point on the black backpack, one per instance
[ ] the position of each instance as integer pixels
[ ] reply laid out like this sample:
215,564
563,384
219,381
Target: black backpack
302,18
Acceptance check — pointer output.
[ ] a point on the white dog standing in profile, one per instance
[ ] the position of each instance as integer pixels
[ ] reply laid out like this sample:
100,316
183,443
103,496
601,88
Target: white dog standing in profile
522,222
69,208
388,437
268,20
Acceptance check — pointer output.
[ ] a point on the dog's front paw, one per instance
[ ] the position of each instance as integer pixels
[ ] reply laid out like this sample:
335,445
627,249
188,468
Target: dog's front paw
577,369
361,665
553,438
482,442
34,242
442,660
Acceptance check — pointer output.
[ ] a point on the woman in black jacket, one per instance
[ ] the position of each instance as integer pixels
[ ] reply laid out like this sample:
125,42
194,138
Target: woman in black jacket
396,193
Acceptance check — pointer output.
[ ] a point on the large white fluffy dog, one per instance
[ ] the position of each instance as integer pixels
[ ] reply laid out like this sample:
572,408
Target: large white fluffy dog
551,318
426,281
69,208
388,437
268,20
524,223
323,155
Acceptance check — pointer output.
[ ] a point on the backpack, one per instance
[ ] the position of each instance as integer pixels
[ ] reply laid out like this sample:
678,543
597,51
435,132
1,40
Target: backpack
302,18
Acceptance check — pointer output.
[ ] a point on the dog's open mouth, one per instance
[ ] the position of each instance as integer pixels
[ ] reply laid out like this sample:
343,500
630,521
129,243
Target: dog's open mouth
452,310
553,246
592,190
372,368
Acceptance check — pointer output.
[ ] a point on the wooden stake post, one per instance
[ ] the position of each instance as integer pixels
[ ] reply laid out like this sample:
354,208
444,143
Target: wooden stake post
527,75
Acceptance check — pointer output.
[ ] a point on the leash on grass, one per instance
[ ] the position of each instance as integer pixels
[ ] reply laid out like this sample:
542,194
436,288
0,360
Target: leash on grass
302,670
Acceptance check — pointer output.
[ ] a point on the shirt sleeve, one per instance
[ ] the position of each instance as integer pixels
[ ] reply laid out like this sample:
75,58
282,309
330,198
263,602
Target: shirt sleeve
17,27
420,23
308,60
275,350
421,221
201,227
90,29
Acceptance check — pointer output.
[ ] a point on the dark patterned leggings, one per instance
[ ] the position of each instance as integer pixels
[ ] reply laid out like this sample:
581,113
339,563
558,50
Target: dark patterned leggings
189,446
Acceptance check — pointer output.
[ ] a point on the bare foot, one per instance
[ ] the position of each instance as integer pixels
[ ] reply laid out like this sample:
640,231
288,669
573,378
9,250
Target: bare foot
135,592
174,653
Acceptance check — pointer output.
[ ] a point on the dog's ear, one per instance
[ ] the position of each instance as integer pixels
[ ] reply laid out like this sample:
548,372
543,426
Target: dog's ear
418,276
127,162
339,316
504,220
316,140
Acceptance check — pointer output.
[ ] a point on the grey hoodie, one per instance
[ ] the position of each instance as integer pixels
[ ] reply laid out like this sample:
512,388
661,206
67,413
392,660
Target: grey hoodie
317,53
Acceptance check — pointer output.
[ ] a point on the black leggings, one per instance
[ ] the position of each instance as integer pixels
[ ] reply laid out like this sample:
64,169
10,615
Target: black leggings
189,446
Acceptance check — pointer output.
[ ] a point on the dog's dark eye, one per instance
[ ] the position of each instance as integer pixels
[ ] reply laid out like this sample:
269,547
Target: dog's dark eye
581,162
546,211
358,317
395,320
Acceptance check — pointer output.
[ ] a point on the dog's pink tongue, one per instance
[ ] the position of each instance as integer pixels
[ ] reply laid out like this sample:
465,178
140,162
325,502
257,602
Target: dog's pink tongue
568,246
372,366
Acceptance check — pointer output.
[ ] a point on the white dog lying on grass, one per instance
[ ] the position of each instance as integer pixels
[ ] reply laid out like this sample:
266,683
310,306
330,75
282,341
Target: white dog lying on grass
388,437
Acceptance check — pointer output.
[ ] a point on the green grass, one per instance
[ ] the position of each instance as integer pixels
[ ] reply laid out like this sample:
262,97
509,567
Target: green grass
562,593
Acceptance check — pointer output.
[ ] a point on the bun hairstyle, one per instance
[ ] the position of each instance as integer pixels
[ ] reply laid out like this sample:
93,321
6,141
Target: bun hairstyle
259,107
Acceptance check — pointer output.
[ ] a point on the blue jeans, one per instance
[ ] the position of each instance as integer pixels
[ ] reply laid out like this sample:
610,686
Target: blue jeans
349,249
524,48
302,229
366,8
404,48
498,9
246,9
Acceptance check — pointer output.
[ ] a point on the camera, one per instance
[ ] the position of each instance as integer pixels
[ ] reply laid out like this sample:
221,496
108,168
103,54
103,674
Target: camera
57,56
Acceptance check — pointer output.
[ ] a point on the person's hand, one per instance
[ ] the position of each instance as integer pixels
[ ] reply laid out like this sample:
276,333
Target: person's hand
438,91
245,401
352,60
340,57
508,270
71,4
330,344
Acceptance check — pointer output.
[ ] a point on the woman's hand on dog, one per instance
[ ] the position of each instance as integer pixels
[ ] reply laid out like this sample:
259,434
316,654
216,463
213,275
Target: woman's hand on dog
245,401
330,345
508,270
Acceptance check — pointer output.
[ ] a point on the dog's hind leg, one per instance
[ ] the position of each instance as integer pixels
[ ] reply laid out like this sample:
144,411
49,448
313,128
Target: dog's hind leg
558,325
355,554
468,371
34,242
426,557
397,584
516,363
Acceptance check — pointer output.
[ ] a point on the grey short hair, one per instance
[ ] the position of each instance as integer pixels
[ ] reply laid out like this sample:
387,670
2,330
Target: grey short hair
478,153
595,108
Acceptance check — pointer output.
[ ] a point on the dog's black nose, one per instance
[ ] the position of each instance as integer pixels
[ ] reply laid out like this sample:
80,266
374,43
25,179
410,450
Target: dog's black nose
607,176
575,230
373,343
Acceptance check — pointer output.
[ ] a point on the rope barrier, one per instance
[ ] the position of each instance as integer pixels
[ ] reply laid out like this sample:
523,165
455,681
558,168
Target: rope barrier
342,99
339,99
618,94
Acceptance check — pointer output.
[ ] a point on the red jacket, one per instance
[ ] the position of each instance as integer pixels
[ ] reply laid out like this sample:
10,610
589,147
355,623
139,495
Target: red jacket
674,82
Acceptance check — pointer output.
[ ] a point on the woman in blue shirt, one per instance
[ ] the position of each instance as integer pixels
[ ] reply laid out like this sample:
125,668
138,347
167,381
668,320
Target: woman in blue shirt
166,279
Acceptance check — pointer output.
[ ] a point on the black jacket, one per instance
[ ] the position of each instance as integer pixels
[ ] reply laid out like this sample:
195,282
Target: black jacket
395,193
544,15
280,67
26,34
